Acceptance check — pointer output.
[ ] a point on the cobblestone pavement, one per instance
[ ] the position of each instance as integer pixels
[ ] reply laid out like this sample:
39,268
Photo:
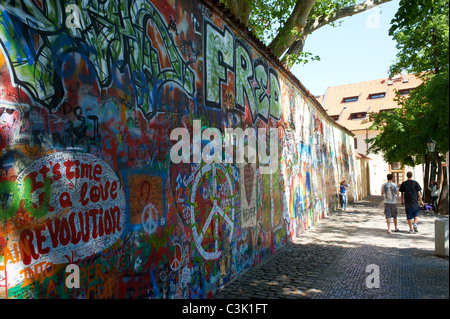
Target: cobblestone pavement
335,258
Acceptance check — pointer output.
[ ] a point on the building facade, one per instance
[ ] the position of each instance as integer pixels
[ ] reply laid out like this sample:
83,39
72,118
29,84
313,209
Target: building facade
350,106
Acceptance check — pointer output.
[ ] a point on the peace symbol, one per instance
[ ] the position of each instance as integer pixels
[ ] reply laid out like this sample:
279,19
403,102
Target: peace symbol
217,212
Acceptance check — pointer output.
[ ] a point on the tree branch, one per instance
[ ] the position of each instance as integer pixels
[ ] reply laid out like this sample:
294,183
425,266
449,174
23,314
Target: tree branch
297,46
241,9
292,27
322,20
291,37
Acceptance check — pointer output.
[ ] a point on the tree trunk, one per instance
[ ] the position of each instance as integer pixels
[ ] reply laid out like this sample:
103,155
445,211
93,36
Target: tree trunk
297,47
292,28
443,201
443,194
298,24
438,169
426,180
241,10
293,34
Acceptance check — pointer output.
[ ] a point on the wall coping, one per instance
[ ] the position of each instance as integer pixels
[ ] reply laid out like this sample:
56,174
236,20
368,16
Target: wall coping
264,50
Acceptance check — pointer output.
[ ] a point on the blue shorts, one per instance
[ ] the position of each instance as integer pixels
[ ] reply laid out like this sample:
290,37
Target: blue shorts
412,211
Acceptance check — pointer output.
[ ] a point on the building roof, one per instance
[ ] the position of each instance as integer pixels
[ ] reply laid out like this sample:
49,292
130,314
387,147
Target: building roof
361,155
346,101
319,98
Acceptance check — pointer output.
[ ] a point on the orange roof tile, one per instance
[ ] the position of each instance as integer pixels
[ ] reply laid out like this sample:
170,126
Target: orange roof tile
333,100
361,155
319,98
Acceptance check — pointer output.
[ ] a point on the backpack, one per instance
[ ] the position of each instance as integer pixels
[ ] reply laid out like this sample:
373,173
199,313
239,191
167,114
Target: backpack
434,191
389,192
410,192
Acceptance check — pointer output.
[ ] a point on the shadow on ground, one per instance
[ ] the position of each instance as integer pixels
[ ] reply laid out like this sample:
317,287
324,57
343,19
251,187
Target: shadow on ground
335,258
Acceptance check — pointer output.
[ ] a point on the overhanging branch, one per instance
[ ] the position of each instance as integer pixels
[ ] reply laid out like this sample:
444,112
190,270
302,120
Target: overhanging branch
322,20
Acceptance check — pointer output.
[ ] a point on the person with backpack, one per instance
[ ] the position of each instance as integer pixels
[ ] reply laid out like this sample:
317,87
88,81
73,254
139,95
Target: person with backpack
434,194
411,197
389,191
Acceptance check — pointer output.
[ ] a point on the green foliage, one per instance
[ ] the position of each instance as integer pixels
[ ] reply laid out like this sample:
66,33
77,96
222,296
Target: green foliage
292,59
404,131
421,29
267,19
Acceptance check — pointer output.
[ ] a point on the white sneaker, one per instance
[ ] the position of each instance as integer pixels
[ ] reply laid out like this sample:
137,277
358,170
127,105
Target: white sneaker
415,228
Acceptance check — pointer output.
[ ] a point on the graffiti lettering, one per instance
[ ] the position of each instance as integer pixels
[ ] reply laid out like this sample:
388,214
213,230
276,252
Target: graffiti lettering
256,84
39,273
96,193
94,96
90,224
101,43
248,215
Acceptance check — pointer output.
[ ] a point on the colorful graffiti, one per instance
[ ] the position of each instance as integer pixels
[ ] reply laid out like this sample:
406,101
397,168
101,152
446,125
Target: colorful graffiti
90,92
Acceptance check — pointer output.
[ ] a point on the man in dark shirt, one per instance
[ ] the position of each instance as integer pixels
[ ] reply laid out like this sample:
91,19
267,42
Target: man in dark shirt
411,197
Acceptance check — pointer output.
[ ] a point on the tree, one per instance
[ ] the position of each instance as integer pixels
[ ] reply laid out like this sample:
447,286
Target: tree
405,131
421,29
285,24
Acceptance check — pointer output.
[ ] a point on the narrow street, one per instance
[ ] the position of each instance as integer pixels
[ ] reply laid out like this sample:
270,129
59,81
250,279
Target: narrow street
334,259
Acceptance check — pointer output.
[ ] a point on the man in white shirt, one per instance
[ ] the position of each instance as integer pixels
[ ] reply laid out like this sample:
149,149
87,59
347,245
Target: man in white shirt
389,191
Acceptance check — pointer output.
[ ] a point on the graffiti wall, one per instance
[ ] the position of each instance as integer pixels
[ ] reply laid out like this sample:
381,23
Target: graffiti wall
91,93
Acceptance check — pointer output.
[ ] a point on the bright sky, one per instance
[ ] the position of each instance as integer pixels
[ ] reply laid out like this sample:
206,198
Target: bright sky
358,50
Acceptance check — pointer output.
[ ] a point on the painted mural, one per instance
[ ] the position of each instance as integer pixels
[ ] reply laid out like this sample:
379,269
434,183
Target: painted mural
90,91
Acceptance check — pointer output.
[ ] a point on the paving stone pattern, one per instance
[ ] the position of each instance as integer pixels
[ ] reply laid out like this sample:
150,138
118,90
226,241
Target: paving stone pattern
331,260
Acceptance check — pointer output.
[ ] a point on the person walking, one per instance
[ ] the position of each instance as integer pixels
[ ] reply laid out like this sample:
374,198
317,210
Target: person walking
434,194
343,194
389,191
411,196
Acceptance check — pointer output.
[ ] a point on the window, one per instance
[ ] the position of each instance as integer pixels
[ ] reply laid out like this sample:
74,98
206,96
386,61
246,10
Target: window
387,110
377,95
397,170
350,99
360,115
398,177
335,117
396,166
404,91
356,143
